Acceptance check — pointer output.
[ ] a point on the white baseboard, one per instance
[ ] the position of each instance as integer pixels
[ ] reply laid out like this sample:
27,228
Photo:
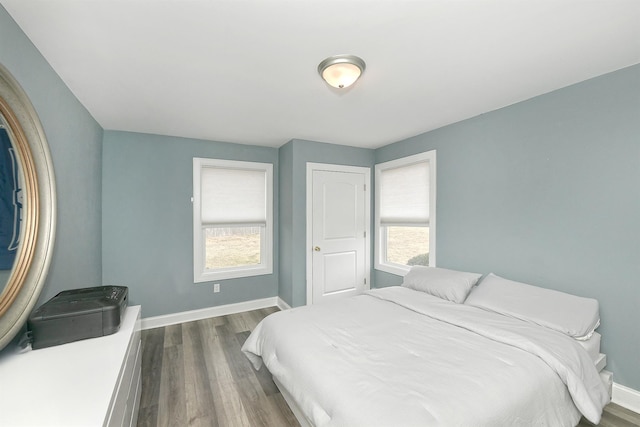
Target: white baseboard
626,397
283,305
222,310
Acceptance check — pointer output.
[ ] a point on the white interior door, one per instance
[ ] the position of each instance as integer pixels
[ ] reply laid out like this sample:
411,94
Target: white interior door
339,228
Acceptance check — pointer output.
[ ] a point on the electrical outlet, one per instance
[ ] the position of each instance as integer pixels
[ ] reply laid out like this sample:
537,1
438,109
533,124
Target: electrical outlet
216,287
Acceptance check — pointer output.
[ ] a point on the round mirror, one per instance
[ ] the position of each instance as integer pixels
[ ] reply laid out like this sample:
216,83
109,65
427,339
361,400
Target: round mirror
27,207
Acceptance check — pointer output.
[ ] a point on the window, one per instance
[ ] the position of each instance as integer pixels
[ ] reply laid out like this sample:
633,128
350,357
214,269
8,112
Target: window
405,213
232,219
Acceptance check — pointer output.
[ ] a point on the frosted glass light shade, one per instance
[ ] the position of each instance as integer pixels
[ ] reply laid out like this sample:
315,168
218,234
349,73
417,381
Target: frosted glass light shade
341,71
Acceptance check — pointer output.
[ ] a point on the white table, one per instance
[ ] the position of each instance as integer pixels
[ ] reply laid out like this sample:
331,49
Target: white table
93,382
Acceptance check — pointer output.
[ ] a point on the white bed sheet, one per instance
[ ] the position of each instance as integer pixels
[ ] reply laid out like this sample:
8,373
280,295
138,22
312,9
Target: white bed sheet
592,346
398,357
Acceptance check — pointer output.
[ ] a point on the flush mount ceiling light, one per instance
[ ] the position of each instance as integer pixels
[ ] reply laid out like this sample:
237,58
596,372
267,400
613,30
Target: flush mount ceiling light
341,71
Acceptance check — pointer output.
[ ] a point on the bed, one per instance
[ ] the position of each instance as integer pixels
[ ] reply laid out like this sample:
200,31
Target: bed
439,350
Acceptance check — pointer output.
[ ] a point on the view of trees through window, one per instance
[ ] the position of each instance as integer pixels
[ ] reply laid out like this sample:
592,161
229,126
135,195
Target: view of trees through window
408,245
240,246
232,246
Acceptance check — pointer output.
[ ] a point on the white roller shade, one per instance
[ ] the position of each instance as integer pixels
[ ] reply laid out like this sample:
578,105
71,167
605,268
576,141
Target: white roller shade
233,196
404,195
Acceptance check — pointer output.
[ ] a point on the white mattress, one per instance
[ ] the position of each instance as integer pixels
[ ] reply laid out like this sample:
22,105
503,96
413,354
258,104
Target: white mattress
399,357
592,345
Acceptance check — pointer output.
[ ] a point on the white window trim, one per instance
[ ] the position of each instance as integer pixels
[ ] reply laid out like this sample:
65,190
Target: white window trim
380,248
200,274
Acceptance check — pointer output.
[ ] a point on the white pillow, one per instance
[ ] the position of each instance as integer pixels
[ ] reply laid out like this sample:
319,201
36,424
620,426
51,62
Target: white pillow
450,285
575,316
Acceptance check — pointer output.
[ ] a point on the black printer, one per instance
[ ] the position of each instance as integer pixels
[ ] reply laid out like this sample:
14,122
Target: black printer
78,314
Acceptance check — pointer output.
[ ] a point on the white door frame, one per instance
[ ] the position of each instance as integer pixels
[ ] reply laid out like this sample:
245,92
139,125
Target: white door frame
311,167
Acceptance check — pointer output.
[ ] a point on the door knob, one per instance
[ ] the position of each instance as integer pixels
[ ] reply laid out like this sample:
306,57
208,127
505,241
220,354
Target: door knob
317,249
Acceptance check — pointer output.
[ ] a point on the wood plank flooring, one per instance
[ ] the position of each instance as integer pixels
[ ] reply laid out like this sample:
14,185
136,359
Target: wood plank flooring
615,416
194,374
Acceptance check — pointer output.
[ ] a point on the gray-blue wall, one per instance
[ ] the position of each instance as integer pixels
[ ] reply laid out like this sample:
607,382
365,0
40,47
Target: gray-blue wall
547,192
147,222
287,220
293,209
75,142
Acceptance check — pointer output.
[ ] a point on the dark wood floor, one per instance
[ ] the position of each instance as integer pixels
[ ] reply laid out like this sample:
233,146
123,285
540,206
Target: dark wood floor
194,374
615,416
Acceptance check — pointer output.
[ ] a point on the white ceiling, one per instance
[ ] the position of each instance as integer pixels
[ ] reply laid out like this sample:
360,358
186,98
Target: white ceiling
245,71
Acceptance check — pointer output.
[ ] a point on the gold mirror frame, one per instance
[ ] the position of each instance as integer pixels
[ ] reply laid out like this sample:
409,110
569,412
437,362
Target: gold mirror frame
38,221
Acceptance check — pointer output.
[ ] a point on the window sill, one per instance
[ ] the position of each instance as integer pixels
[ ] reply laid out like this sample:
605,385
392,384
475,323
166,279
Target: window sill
231,274
398,270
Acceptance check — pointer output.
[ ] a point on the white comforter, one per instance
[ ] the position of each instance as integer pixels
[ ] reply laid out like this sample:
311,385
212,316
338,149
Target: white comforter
397,357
